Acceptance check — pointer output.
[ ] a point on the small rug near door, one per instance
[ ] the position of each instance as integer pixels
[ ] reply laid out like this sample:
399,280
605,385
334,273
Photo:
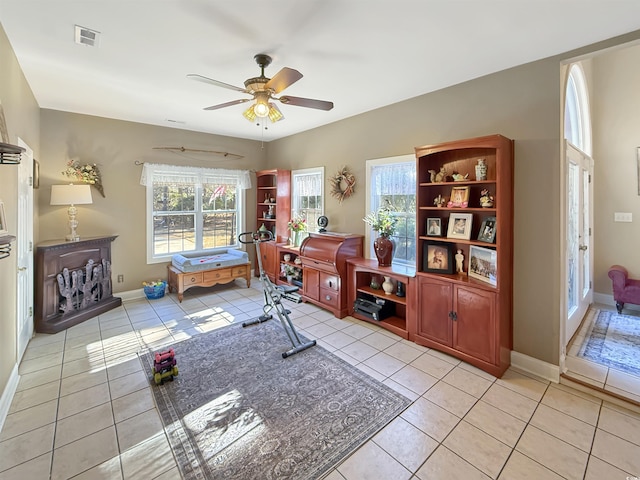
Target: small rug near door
614,341
238,410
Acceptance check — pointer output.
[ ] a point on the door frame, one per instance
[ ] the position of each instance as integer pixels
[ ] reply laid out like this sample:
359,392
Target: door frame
24,253
586,161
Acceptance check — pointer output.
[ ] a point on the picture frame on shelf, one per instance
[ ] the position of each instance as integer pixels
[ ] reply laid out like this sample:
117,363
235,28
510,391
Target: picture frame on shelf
487,231
3,220
460,226
437,257
459,197
434,227
483,264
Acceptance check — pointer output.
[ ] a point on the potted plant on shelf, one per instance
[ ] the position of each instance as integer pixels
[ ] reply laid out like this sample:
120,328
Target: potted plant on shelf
384,222
297,226
291,272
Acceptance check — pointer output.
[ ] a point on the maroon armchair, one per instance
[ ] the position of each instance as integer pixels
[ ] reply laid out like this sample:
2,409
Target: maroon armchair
625,289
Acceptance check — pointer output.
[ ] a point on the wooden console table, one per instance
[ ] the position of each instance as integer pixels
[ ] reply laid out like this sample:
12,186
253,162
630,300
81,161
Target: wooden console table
54,312
181,281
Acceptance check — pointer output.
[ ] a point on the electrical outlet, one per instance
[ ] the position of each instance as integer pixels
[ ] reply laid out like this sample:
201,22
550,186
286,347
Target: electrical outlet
623,217
120,278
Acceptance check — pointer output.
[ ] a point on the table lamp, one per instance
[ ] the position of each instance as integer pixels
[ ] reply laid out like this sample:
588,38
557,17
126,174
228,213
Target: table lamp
71,195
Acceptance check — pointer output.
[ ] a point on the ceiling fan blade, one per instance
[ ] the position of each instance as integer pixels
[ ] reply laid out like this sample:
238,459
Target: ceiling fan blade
217,83
228,104
284,78
306,102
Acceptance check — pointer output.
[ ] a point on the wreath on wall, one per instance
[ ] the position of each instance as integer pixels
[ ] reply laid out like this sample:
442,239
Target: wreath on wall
343,184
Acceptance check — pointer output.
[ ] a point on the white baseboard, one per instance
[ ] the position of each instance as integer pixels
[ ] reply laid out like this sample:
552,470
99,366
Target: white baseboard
130,294
7,394
605,299
537,367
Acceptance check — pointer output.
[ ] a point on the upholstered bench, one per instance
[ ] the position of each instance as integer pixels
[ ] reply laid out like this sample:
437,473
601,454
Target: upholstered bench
205,269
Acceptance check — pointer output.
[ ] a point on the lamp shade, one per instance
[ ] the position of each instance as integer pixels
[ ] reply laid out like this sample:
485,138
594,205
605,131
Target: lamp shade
70,195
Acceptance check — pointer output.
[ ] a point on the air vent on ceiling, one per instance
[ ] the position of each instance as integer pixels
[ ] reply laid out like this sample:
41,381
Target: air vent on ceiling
86,36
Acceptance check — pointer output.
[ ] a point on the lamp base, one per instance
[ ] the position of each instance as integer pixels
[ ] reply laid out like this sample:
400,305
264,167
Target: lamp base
71,238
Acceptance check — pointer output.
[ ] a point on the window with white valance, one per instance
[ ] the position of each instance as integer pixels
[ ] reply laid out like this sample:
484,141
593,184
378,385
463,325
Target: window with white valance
192,208
307,195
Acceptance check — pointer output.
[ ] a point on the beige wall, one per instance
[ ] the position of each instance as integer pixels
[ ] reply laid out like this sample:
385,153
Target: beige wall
616,112
521,103
23,120
115,146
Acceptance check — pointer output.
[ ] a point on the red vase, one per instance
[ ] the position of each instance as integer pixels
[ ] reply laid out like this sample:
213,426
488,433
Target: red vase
383,247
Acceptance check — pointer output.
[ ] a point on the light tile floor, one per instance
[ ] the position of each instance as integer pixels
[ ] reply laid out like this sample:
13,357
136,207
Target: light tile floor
84,408
617,382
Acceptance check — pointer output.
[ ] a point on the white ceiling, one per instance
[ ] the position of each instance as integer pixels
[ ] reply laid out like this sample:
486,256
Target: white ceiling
360,54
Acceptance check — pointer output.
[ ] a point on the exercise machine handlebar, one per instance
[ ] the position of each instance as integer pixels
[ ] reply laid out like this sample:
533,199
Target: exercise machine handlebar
255,237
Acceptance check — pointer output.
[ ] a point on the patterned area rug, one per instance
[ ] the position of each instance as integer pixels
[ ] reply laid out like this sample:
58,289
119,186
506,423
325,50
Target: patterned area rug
614,340
238,410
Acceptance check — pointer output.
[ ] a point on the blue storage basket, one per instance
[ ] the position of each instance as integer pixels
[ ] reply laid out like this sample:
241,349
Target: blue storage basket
155,292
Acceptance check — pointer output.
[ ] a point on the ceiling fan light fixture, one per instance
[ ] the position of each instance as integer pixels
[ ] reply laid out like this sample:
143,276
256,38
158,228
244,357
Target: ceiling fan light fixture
261,109
274,113
250,114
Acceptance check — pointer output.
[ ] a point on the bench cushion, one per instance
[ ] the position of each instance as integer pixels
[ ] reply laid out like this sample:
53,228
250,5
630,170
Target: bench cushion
209,260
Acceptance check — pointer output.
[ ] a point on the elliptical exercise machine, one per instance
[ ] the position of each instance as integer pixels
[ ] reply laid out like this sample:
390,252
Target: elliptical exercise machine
273,295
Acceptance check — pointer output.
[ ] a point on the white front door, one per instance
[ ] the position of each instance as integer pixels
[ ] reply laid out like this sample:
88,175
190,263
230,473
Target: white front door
24,251
579,244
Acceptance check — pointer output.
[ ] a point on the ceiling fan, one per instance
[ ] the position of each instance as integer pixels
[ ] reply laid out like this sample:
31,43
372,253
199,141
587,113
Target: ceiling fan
263,90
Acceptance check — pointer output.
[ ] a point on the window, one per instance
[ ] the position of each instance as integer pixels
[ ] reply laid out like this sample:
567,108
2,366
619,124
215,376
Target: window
307,195
191,209
577,120
393,180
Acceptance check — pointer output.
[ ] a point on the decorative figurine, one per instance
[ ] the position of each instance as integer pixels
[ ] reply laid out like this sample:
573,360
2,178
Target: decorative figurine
441,176
432,174
400,290
458,177
439,201
486,199
459,261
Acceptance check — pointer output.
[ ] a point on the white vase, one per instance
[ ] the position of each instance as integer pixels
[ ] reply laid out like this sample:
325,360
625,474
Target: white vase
481,170
387,286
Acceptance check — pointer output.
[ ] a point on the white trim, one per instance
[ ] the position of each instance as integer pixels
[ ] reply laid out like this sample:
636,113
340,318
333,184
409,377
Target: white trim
8,394
604,299
537,367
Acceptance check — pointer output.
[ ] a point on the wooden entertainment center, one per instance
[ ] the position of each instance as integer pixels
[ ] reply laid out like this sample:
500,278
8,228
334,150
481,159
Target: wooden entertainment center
467,313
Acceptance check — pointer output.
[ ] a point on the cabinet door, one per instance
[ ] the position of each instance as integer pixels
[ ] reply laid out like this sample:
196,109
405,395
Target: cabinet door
269,260
474,330
311,283
434,308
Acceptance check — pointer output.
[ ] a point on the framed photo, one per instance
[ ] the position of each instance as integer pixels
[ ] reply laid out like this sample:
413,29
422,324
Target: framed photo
3,220
460,226
459,197
36,174
488,230
434,227
483,264
437,257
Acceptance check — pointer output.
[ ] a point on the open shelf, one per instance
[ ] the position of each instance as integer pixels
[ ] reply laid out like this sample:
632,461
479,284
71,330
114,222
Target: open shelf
361,271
